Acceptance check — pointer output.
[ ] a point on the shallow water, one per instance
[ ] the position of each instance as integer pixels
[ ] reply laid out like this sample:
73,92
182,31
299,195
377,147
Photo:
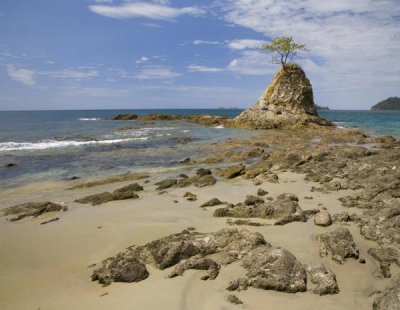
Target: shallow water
55,145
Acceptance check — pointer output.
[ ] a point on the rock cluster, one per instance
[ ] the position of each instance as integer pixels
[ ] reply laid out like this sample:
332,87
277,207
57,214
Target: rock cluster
33,209
202,178
126,192
284,209
266,267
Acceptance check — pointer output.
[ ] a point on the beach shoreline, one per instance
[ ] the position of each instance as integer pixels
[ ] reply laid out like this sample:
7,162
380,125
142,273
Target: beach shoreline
46,266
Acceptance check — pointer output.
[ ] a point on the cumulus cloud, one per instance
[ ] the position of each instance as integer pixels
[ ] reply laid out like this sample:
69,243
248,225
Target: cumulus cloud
251,63
195,68
351,41
145,10
24,76
245,44
156,72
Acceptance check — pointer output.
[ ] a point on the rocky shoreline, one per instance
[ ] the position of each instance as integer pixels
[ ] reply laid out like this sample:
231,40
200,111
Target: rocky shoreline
365,169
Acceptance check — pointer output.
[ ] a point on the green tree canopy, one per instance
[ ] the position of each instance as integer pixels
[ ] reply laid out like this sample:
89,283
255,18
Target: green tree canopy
284,49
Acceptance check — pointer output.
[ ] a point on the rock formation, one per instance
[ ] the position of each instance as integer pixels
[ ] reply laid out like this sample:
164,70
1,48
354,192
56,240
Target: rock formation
286,103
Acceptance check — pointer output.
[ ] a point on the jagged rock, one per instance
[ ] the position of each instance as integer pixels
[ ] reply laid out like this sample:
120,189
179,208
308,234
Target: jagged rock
232,172
33,209
125,117
261,192
203,171
389,299
338,244
323,279
197,263
253,200
233,299
287,102
169,251
205,180
167,183
120,269
126,192
211,203
323,218
342,217
190,196
272,269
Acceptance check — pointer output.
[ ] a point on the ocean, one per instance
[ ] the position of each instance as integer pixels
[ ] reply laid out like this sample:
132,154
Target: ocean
56,145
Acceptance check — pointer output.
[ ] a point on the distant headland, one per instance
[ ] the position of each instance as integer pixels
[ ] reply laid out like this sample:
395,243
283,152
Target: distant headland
320,108
391,103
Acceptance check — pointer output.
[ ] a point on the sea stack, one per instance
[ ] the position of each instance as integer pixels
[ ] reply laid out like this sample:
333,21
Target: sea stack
287,102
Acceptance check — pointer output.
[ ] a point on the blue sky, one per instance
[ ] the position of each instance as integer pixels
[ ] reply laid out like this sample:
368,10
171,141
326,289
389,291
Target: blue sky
108,54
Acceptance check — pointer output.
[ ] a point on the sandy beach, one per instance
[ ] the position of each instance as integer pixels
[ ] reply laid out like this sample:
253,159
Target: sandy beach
49,266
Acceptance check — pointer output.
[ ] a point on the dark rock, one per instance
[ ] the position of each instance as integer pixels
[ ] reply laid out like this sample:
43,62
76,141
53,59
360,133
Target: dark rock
187,160
49,221
120,269
33,209
233,299
262,192
211,203
253,200
167,183
232,172
342,217
125,117
9,165
203,171
338,244
323,280
171,250
123,193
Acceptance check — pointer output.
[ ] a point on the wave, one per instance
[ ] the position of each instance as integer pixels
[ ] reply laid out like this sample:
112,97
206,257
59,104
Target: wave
219,127
51,144
89,119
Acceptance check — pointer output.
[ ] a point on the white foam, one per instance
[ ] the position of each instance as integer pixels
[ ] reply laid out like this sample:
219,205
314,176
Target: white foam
50,144
219,127
89,119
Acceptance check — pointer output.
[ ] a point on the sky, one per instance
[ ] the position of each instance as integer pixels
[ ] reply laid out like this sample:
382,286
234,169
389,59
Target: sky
119,54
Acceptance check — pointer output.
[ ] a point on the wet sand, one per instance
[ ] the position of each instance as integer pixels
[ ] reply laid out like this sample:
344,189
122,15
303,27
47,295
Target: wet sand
48,266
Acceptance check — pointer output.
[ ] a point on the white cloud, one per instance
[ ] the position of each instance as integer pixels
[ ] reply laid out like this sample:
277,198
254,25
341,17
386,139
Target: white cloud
71,74
251,63
156,72
142,60
24,76
352,42
195,68
146,10
205,42
245,44
98,92
104,1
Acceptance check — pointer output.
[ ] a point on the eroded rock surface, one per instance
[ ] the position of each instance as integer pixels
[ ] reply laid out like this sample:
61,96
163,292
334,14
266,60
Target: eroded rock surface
322,280
271,268
339,244
186,246
232,172
123,193
389,299
33,209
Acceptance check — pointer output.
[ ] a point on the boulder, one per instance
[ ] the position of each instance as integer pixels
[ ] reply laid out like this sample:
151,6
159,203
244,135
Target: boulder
211,203
323,280
323,218
166,183
272,269
338,244
287,102
197,263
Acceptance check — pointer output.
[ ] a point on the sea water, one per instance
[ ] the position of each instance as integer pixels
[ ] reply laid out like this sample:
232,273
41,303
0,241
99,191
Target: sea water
56,145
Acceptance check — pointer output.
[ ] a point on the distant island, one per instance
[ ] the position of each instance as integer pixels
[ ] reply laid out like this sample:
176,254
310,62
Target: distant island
321,108
391,103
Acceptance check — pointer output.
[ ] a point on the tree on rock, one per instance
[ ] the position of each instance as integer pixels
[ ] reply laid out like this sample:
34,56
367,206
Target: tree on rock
284,49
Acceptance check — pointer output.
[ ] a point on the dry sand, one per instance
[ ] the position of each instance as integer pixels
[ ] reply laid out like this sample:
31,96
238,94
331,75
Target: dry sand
47,266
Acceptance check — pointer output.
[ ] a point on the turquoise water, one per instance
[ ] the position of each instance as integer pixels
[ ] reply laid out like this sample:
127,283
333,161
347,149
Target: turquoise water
47,145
